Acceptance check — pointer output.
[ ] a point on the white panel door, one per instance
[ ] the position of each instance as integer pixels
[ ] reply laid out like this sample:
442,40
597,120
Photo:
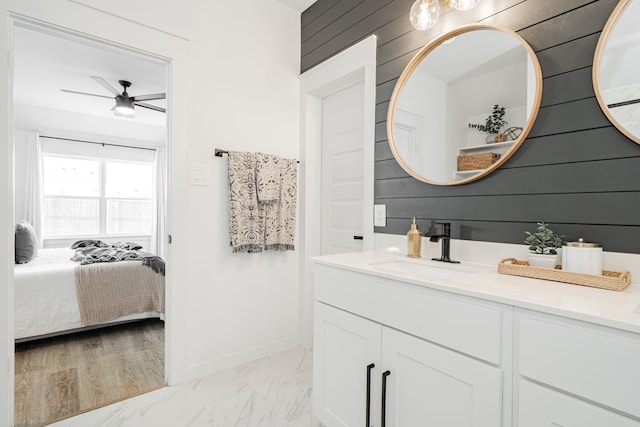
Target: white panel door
428,385
342,170
409,136
540,406
346,359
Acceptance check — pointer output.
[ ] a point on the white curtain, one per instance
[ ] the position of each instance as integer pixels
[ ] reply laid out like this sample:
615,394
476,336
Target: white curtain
158,233
33,197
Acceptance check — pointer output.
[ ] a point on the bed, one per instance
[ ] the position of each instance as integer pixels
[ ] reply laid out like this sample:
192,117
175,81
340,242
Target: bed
46,294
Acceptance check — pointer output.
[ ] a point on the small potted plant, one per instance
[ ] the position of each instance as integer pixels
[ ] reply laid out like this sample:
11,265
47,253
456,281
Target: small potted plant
544,246
493,123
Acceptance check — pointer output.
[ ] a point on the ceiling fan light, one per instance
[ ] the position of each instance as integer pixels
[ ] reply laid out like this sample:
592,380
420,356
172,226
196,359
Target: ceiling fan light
124,106
424,14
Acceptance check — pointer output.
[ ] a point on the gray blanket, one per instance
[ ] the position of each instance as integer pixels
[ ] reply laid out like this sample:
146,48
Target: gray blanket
95,251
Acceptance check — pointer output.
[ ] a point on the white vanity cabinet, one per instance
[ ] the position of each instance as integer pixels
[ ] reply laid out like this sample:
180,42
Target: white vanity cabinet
346,367
576,374
410,355
484,350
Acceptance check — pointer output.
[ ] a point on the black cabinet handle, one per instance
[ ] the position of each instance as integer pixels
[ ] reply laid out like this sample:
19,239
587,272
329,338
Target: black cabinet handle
358,238
369,368
385,374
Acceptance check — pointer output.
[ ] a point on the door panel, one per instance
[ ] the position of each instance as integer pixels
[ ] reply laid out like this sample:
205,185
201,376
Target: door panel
344,345
432,386
342,170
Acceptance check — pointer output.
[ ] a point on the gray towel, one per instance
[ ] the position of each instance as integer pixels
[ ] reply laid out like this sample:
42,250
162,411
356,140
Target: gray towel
246,218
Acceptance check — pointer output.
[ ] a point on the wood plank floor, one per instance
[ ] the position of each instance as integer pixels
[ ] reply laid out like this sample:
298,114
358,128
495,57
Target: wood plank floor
60,377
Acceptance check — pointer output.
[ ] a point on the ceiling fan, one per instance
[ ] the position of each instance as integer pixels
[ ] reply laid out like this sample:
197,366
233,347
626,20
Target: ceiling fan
124,102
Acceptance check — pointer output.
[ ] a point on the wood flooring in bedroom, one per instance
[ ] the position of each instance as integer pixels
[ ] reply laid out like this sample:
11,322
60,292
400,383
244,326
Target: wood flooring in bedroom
59,377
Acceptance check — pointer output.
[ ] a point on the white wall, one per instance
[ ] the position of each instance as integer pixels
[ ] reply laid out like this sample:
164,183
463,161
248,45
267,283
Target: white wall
426,97
476,108
234,69
244,75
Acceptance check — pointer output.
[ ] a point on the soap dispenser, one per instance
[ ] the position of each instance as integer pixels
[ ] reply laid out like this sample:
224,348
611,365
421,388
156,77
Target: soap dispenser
414,240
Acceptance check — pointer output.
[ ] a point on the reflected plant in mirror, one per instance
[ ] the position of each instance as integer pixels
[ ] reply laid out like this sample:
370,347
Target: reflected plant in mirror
492,124
452,83
616,69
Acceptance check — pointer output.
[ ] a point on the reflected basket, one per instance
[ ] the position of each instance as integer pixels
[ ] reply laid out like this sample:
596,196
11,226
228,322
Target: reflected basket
477,161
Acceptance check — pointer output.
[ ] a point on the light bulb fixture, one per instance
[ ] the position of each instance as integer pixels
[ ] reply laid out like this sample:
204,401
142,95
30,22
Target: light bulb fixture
124,105
425,13
462,4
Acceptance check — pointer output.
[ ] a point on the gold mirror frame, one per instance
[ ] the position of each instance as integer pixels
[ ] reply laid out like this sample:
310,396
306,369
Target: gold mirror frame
597,63
415,62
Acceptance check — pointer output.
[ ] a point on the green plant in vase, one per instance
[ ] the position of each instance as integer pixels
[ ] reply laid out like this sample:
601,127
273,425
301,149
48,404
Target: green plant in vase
544,246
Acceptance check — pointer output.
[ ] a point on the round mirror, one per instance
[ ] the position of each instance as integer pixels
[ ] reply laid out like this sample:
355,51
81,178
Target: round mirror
616,69
464,104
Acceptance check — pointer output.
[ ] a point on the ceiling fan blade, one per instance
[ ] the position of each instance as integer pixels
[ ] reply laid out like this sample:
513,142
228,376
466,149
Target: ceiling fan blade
149,106
150,97
85,93
106,85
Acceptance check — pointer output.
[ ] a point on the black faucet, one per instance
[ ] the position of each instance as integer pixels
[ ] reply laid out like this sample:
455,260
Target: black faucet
445,237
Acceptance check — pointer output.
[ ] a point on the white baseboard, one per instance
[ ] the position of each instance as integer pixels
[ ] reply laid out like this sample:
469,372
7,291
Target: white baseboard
229,361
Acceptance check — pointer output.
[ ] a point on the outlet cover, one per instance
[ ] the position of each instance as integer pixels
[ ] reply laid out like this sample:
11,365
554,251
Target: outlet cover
380,215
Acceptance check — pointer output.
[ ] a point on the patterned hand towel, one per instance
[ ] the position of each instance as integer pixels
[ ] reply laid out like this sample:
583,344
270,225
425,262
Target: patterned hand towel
246,218
280,217
268,177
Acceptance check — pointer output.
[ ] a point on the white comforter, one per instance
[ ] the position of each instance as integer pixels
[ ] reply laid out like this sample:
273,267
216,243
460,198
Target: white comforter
45,295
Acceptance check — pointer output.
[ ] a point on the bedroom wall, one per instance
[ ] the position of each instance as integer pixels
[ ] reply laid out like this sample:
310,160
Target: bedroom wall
574,170
238,89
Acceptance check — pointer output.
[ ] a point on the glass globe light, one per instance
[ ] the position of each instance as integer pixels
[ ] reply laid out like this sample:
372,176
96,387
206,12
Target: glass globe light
424,14
464,4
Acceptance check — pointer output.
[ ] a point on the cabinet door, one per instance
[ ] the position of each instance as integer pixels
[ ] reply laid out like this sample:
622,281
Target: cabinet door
540,406
345,346
432,386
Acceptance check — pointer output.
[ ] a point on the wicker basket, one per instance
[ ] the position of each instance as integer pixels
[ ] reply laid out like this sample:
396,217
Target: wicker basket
611,280
477,161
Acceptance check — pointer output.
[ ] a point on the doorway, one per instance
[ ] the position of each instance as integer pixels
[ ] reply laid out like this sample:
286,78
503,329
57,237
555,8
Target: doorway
343,170
353,68
60,92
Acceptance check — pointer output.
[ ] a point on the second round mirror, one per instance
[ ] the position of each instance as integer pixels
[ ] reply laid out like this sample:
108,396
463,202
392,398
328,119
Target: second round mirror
616,69
464,104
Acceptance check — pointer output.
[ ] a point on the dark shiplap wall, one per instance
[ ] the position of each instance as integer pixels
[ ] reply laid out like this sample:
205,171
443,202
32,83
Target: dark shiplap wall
574,171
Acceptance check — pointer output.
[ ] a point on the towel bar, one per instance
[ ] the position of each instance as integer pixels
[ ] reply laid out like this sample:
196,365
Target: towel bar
219,152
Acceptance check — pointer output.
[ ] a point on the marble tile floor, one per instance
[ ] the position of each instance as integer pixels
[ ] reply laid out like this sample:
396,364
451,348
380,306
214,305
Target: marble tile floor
271,392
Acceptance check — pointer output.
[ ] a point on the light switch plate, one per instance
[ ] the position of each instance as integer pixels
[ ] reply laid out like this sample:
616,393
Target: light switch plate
200,174
380,215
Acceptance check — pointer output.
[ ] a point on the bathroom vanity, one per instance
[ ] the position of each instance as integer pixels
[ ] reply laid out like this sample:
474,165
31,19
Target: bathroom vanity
401,342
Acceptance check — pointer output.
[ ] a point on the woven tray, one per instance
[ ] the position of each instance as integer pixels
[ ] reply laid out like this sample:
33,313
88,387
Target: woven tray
611,280
476,161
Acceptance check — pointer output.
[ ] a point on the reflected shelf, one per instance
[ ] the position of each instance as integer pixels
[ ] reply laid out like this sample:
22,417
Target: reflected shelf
487,148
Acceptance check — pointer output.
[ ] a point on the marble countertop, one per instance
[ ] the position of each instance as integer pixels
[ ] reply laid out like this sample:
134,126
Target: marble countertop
620,310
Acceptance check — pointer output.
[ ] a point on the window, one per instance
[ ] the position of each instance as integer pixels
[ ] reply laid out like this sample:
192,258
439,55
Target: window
86,197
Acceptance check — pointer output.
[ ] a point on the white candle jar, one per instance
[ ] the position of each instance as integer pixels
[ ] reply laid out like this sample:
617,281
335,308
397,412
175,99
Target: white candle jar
582,257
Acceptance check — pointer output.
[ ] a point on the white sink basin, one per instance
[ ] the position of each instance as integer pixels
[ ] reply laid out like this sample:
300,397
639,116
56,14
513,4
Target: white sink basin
423,270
